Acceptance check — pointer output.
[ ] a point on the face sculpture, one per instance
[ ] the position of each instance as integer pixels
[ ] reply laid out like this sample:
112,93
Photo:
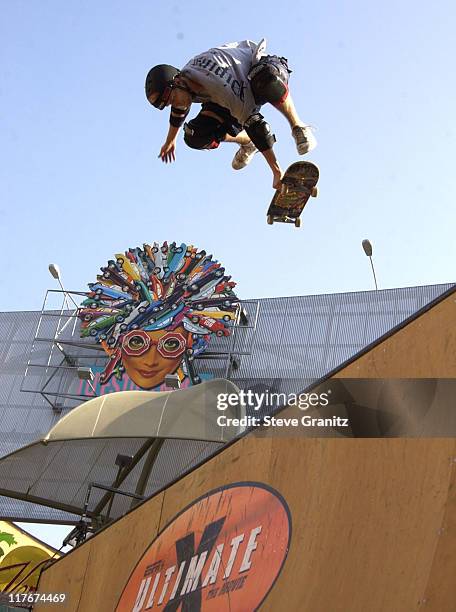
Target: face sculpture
152,307
148,356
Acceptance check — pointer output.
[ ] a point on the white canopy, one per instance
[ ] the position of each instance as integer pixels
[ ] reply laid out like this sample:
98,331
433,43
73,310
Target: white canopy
163,434
189,414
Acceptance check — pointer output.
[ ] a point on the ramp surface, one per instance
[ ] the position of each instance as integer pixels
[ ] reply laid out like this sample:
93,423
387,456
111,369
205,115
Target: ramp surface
373,520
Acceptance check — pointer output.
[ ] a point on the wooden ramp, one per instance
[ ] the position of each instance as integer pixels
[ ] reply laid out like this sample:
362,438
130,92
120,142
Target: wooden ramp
371,522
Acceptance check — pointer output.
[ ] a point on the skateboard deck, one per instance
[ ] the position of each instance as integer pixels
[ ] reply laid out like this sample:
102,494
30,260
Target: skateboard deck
299,183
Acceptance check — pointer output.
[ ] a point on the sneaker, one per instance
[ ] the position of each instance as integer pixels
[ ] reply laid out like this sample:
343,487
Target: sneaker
244,156
304,138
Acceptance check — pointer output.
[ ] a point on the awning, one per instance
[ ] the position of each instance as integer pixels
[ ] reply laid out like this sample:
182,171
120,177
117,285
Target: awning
161,435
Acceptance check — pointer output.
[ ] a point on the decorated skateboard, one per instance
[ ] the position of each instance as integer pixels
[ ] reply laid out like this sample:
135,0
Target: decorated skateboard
299,183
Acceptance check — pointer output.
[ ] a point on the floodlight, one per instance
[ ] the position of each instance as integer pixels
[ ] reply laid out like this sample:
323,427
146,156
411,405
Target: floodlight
243,316
367,246
55,271
172,381
85,373
123,460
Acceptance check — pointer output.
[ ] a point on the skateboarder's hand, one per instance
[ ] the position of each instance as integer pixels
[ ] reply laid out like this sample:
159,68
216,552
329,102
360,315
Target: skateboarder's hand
277,180
167,152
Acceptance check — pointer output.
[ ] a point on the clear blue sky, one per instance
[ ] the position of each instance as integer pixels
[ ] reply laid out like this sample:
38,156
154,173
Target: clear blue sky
80,178
79,174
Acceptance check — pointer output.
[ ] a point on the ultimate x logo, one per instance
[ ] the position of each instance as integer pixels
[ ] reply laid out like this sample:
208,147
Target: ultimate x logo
240,553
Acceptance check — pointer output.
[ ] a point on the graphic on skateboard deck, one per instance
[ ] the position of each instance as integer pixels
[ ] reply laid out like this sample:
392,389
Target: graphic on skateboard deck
298,185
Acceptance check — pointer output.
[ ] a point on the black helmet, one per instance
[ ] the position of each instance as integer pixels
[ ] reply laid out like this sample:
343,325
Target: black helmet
159,79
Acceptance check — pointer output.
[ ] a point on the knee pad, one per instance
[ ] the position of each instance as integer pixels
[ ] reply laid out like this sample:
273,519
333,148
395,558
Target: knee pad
259,132
269,80
203,132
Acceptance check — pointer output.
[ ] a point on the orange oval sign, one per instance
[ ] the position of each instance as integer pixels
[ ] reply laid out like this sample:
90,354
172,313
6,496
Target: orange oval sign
222,553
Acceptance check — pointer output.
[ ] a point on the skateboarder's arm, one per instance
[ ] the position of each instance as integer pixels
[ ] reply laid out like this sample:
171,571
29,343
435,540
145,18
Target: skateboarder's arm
271,159
167,150
176,120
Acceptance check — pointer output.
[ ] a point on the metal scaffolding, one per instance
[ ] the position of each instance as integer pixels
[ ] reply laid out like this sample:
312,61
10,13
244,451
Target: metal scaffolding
61,365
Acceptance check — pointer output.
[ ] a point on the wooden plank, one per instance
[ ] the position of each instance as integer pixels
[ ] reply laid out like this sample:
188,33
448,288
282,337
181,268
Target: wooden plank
425,348
66,576
116,554
94,574
366,520
440,594
225,468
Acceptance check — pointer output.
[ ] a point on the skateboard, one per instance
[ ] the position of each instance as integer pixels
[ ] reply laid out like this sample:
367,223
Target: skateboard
299,183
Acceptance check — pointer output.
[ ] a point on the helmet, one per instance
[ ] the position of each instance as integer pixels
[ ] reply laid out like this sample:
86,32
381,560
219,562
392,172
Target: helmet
159,80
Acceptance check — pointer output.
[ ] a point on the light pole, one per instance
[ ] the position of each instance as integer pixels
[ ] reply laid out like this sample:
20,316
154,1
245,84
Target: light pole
367,246
55,273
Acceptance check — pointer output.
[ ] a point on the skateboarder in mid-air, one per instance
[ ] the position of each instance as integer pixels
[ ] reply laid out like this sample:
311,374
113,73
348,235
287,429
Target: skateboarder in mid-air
231,82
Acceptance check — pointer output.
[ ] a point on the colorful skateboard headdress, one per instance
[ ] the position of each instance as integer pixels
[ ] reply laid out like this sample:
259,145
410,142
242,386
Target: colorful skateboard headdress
161,287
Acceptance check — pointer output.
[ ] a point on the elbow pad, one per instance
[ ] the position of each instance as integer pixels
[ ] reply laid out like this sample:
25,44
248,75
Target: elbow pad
177,116
259,132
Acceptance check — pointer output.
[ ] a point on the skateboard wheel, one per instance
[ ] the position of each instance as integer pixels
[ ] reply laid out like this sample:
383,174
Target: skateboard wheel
314,192
297,222
270,220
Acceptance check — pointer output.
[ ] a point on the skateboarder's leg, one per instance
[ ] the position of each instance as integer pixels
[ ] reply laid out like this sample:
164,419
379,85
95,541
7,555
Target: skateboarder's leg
240,139
269,82
302,133
208,129
214,125
246,151
288,110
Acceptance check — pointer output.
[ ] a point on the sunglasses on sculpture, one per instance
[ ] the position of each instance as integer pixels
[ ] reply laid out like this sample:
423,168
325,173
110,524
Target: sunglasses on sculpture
138,342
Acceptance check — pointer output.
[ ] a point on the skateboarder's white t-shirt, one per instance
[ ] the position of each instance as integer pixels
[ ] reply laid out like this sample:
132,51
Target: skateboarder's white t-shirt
222,71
